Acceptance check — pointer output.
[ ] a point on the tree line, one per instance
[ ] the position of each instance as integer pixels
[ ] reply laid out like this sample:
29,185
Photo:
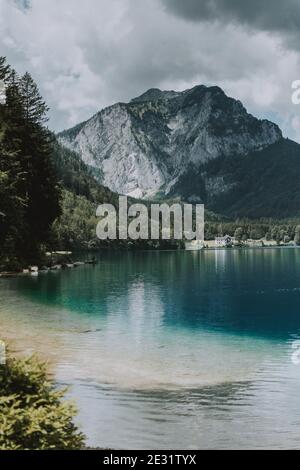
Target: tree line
242,230
29,186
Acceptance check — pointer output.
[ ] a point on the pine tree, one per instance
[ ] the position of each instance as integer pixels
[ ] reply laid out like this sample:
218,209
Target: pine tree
4,68
12,201
41,181
12,207
29,192
35,108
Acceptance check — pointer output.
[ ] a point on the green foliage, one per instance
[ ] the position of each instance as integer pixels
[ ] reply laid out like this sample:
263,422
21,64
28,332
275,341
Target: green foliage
76,228
34,108
33,414
238,234
4,68
242,229
257,233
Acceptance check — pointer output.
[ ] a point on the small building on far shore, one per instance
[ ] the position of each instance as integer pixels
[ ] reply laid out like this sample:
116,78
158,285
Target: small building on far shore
225,241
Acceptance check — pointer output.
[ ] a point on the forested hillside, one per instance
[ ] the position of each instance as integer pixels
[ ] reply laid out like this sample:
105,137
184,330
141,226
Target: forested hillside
81,194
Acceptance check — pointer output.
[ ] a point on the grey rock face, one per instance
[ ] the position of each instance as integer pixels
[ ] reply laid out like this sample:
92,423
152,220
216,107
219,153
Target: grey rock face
145,146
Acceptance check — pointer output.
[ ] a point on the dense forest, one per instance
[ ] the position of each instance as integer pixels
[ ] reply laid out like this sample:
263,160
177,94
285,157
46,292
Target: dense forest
49,196
29,190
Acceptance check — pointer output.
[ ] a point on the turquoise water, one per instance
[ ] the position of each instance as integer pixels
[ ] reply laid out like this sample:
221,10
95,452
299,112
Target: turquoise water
170,349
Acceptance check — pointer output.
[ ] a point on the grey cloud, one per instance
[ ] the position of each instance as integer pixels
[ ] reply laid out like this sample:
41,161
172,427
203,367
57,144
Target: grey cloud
267,15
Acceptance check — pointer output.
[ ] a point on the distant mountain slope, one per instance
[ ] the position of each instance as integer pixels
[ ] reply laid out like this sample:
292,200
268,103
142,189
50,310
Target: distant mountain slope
264,183
199,145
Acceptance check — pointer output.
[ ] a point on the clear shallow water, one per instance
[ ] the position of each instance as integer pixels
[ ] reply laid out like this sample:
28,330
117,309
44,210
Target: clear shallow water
170,350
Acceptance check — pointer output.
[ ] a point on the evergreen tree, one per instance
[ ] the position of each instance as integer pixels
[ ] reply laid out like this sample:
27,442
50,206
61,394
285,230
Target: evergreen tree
41,180
35,108
12,201
28,180
4,68
12,207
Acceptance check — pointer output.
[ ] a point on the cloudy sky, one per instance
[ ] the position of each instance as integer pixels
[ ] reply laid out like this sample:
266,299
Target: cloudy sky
87,54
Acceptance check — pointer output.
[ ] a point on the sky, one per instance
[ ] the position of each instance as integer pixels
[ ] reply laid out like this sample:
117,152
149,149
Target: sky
86,55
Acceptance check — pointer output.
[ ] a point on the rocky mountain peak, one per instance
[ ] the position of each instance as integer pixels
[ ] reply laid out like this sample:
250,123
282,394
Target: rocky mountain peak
155,94
144,148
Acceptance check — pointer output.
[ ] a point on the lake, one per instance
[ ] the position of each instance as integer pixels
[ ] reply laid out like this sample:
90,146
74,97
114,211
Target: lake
170,350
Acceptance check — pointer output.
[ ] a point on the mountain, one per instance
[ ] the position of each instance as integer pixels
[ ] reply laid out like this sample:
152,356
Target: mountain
199,145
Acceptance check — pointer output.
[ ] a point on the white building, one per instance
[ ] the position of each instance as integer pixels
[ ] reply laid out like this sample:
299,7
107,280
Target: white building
224,241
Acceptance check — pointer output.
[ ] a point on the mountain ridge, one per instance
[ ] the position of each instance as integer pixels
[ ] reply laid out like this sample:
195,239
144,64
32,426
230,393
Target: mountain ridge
151,146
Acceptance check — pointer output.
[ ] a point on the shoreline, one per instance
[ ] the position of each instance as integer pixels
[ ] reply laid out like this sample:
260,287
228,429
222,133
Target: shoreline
269,247
12,274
